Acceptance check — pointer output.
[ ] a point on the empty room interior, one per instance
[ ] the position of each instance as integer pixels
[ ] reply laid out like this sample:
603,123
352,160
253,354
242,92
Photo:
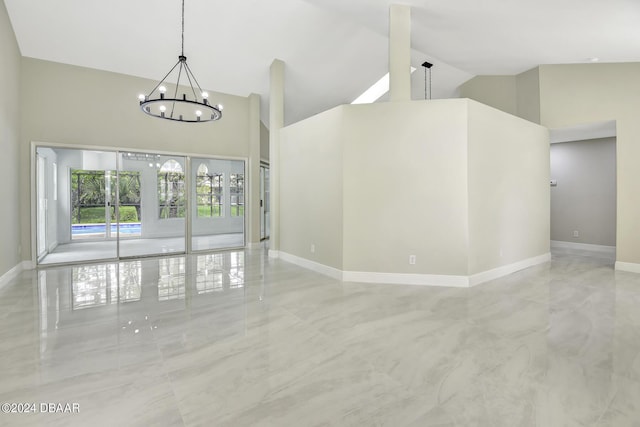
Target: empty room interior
318,212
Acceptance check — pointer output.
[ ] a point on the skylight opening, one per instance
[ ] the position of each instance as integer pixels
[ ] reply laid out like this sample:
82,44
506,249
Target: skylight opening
376,90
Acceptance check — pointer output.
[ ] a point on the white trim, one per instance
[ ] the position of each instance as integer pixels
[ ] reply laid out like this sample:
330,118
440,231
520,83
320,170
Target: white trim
274,254
505,270
14,272
413,279
311,265
631,267
583,246
406,279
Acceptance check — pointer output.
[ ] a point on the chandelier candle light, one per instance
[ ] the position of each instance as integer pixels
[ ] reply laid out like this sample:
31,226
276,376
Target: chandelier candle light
183,109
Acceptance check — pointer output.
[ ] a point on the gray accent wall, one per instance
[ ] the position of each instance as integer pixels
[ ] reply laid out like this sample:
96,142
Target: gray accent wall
584,199
10,218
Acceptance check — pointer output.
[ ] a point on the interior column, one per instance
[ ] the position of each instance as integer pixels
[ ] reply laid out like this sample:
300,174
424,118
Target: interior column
253,171
399,52
276,122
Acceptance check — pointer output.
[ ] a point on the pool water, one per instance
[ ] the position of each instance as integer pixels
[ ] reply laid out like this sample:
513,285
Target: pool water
127,228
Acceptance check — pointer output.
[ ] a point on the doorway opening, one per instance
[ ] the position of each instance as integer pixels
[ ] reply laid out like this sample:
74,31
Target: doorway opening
583,188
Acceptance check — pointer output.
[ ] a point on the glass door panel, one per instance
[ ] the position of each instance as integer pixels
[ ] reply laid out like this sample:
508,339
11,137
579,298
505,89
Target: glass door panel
152,204
77,205
217,203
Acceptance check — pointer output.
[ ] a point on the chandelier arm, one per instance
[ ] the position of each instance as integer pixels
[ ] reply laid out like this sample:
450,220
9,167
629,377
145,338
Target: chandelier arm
194,77
189,74
175,93
164,78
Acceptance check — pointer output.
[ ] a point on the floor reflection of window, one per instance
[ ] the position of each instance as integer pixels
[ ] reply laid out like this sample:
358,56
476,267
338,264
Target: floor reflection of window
130,281
236,270
209,273
172,279
93,285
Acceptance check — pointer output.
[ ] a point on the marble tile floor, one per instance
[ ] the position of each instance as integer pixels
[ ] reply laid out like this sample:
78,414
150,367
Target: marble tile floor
237,339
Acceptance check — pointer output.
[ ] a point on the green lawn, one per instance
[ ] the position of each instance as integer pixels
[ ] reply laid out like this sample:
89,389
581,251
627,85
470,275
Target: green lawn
96,215
205,211
234,210
129,214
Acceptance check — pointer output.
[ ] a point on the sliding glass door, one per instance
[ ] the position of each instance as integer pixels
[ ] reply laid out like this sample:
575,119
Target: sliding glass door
96,205
153,204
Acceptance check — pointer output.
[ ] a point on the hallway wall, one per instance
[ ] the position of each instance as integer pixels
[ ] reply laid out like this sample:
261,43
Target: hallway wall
10,192
584,199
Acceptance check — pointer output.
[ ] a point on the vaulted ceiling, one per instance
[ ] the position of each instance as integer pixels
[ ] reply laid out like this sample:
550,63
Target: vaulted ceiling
333,49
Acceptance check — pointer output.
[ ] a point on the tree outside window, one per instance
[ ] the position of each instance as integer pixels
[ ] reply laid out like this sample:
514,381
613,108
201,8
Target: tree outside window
171,195
236,190
209,190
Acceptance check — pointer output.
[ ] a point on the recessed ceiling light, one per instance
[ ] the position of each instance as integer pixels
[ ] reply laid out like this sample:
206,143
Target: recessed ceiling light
594,59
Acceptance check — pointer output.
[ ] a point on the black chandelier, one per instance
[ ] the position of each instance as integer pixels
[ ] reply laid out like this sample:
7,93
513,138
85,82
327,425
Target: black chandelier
181,109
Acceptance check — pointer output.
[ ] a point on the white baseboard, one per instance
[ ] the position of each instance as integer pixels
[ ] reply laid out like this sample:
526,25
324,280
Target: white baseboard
14,272
412,279
311,265
627,266
583,246
274,254
406,279
505,270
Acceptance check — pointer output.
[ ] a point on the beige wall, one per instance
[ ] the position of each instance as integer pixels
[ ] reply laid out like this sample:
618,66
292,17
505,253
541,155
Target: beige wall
10,218
528,95
578,94
81,106
461,186
264,142
584,199
405,187
518,95
496,91
586,93
311,177
508,189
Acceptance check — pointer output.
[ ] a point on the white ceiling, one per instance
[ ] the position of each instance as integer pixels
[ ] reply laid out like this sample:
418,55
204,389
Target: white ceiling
333,49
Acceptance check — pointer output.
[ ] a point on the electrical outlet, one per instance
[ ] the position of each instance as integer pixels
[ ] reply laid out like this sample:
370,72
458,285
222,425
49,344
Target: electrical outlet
412,259
576,233
312,248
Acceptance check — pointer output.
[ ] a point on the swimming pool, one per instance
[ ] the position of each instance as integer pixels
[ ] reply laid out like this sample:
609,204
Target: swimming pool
125,228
